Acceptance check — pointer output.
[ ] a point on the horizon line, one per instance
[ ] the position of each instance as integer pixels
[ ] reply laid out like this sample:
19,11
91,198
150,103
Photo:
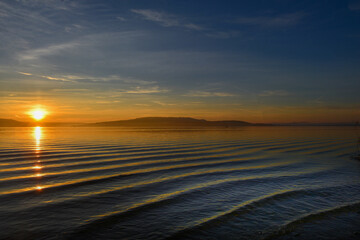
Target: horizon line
354,123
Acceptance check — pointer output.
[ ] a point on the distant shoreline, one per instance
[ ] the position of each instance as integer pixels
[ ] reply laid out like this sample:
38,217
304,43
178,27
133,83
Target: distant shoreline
163,122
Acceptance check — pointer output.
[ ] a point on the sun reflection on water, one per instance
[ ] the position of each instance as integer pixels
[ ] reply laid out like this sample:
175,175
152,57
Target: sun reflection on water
37,136
37,133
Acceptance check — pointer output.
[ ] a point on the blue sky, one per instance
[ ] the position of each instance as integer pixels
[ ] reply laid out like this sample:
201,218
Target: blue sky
260,61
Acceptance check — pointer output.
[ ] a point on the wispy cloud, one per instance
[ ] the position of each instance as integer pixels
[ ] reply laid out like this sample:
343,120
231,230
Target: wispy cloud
165,19
111,78
142,105
270,93
164,103
273,21
106,102
56,78
208,94
54,4
121,19
17,20
223,34
74,28
92,79
46,51
71,90
141,90
193,26
24,73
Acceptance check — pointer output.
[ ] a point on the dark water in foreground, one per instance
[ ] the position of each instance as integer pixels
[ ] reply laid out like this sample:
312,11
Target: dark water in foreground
110,183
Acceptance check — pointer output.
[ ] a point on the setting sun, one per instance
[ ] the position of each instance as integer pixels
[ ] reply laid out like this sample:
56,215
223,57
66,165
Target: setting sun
38,114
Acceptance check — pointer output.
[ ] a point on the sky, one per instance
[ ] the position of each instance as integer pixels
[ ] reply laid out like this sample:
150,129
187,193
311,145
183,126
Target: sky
266,61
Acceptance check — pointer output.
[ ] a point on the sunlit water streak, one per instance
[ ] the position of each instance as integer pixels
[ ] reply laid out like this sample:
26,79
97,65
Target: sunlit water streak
245,183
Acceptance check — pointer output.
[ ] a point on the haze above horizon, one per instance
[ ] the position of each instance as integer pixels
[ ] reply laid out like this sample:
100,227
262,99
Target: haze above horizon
254,61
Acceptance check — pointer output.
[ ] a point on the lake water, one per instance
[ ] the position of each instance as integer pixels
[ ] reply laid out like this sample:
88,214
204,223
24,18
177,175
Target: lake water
244,183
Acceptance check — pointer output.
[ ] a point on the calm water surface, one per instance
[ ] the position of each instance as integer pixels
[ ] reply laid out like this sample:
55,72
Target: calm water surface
245,183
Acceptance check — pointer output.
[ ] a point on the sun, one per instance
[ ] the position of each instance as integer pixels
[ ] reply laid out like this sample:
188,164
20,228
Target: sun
38,114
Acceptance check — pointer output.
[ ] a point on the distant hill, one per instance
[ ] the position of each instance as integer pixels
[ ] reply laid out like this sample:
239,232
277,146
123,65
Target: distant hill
12,123
146,122
164,122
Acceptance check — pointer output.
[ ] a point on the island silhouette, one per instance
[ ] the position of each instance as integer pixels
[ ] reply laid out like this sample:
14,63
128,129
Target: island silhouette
164,122
157,122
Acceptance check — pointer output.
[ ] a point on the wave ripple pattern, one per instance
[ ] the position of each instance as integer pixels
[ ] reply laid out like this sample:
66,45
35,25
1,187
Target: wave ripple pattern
241,183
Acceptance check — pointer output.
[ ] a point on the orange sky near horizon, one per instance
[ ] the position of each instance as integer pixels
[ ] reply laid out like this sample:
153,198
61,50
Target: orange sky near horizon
97,112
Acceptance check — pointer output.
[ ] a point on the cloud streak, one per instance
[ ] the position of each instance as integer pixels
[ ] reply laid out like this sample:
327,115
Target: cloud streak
141,90
24,73
53,4
50,50
165,19
91,79
271,93
208,94
56,79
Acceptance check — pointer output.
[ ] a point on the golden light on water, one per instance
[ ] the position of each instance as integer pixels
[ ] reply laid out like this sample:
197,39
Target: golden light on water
37,136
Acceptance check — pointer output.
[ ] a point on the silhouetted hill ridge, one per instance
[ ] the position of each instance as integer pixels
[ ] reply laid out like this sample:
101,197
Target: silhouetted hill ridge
172,122
158,122
12,123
